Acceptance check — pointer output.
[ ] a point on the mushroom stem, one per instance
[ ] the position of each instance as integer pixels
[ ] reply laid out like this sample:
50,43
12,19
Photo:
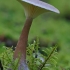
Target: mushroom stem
22,43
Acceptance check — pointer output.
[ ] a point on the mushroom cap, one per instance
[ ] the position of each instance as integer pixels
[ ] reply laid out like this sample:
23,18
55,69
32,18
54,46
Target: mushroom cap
34,8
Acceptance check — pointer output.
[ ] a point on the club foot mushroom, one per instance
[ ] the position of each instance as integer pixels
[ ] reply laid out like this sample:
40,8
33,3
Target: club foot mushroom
32,9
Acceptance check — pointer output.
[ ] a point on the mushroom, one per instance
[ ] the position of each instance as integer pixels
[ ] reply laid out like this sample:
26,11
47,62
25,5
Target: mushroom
32,9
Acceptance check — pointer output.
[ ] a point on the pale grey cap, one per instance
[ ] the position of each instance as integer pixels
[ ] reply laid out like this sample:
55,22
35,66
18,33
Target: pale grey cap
42,5
33,8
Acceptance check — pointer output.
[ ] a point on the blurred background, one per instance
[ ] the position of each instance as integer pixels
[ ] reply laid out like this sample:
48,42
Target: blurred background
51,28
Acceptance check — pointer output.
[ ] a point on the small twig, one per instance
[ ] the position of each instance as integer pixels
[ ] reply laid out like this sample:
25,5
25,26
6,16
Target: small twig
41,67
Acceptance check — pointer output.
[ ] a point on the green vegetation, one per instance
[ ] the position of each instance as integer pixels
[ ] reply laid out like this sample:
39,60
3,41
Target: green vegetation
35,60
52,28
